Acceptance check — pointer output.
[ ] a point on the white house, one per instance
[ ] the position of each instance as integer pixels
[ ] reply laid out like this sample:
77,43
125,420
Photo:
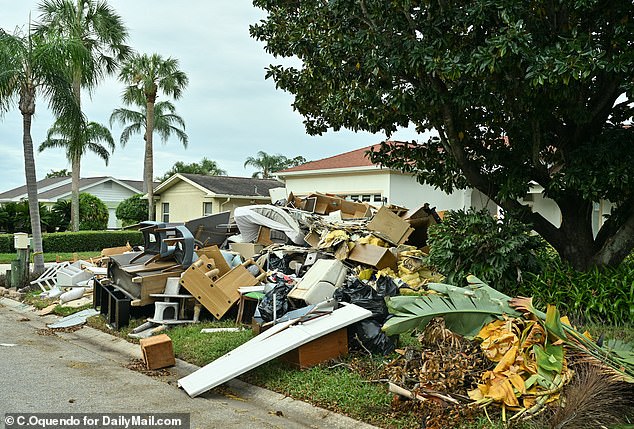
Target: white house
354,176
108,189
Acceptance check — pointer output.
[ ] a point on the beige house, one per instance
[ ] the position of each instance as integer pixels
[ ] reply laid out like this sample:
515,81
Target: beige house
353,176
184,196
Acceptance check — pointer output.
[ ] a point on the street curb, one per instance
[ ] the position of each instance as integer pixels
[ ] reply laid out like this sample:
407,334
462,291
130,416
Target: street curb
122,351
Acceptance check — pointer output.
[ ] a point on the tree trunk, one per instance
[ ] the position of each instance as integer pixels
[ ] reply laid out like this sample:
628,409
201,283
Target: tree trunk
31,184
148,167
74,198
75,161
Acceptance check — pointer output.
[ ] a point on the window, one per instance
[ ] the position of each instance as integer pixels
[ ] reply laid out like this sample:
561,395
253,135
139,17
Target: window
377,198
206,209
365,198
166,212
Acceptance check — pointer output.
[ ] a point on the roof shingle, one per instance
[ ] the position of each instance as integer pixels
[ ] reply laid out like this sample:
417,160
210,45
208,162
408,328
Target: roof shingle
228,185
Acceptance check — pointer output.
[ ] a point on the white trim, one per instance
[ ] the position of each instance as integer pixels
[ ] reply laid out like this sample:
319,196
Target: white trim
344,170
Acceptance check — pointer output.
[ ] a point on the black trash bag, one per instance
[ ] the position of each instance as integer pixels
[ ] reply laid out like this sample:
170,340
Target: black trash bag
280,291
386,286
369,333
356,292
276,263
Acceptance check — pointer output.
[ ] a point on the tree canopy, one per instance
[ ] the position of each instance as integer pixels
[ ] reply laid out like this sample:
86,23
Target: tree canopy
519,93
205,166
146,76
132,210
267,164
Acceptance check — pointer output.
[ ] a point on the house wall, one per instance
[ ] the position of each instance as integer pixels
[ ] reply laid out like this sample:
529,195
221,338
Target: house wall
357,183
185,202
397,188
405,191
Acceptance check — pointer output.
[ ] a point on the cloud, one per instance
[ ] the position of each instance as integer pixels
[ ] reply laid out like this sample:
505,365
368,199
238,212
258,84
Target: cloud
231,111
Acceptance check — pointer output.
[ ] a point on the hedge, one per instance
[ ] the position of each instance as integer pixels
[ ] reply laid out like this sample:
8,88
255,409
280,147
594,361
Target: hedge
82,241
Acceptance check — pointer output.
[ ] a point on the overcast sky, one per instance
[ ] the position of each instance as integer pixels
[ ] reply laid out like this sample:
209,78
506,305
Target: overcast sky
231,112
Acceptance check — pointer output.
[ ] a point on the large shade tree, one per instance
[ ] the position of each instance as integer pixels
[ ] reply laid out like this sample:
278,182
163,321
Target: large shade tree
146,76
32,66
77,139
103,33
518,92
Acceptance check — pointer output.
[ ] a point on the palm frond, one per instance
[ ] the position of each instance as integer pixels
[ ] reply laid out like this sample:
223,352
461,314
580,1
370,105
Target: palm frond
465,310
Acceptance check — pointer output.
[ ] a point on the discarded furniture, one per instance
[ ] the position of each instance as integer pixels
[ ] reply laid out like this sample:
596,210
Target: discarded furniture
48,279
211,230
113,304
137,279
158,352
319,282
328,347
217,293
250,218
71,274
171,311
274,342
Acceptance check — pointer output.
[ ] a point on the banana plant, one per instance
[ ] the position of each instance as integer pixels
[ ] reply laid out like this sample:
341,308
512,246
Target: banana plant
465,310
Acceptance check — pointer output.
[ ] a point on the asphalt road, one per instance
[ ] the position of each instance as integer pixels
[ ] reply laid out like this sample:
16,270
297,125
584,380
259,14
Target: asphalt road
87,372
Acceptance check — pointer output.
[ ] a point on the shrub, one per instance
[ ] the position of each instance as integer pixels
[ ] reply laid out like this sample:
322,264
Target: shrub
82,241
132,210
497,251
603,296
93,213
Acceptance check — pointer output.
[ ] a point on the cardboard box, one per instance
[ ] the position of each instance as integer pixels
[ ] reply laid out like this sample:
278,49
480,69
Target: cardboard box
158,352
388,226
375,256
247,250
328,347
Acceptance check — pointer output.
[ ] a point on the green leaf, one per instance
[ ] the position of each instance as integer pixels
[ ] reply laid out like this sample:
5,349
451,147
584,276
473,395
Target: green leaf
465,310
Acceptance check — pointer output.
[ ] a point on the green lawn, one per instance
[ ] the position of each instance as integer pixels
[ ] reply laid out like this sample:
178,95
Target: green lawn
6,258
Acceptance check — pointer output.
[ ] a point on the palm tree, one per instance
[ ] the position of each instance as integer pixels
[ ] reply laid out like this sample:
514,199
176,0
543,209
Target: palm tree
205,167
103,34
145,75
77,141
267,164
30,65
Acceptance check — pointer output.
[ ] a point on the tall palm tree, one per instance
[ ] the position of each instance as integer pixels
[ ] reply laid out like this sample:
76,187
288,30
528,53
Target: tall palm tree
266,164
32,65
103,33
77,141
144,76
